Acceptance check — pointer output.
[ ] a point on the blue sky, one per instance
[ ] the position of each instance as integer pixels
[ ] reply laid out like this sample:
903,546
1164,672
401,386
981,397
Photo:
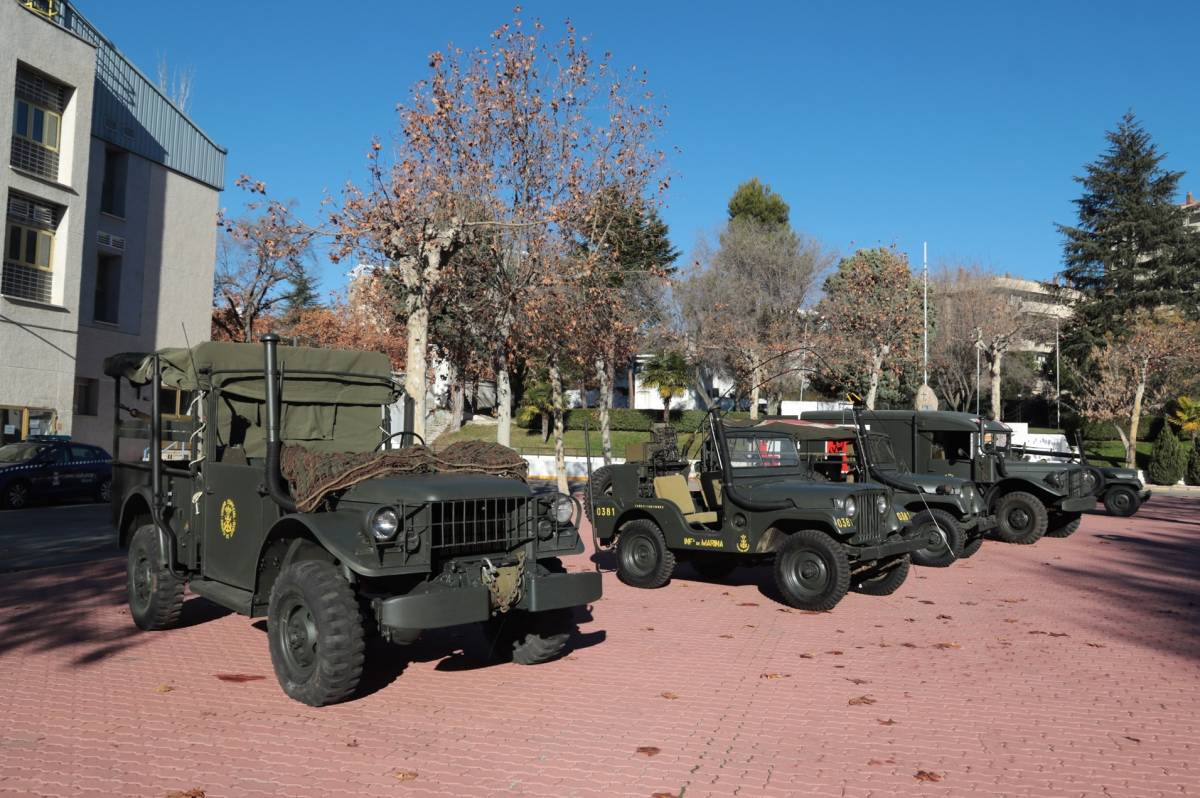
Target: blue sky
957,123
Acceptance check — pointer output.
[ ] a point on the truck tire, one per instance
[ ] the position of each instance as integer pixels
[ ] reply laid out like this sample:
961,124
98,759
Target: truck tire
939,556
643,559
972,546
315,633
526,638
812,571
601,486
1121,501
887,582
1022,518
1063,525
713,566
155,595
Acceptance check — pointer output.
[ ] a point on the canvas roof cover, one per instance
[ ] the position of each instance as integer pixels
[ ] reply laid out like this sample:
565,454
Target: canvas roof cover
808,430
310,376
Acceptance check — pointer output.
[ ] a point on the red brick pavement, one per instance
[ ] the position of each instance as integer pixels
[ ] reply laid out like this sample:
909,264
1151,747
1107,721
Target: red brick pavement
1066,668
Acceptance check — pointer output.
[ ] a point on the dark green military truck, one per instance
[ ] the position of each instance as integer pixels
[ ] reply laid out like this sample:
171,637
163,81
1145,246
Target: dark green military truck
1029,499
947,504
1123,490
358,538
758,501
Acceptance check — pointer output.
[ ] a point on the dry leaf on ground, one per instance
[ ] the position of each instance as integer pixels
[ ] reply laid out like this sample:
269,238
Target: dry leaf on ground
862,700
648,750
195,792
239,678
775,676
888,722
669,696
927,775
405,775
946,645
163,688
747,604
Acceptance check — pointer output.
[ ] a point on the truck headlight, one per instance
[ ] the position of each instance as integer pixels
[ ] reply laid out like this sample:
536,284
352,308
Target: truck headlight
384,523
881,504
851,506
1055,478
562,509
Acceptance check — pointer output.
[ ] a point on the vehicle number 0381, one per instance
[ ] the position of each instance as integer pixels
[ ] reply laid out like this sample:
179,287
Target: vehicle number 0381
606,512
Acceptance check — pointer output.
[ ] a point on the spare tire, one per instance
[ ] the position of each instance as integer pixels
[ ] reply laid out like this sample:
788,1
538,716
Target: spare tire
601,486
1093,478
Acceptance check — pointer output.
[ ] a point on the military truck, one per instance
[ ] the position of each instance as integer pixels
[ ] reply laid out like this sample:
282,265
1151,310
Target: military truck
1123,490
358,539
1029,499
757,502
949,505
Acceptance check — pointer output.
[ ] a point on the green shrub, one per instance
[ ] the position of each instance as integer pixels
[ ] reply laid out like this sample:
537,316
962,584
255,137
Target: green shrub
1168,459
1148,429
627,420
1193,467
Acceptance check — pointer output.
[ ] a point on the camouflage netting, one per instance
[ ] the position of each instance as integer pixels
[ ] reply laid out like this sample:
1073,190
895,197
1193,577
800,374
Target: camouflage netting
314,475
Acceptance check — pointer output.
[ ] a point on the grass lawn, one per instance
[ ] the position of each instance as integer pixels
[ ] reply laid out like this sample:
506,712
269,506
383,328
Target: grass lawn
530,441
1113,453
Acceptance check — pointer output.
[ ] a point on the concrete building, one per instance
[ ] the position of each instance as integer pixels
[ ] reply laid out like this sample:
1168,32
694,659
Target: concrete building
110,194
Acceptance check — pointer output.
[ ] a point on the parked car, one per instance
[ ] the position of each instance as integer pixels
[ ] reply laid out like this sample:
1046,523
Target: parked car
51,468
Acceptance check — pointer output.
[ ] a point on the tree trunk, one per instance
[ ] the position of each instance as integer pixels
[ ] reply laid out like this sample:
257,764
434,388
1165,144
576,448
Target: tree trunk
545,417
503,407
774,401
666,408
994,370
1135,418
755,388
560,455
414,367
1124,441
457,391
876,374
606,371
631,378
700,388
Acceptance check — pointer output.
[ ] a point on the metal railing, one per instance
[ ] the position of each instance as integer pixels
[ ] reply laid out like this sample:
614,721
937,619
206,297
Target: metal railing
26,282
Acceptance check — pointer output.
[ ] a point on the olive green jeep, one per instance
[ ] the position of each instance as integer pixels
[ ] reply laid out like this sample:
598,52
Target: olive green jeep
1029,499
276,492
757,501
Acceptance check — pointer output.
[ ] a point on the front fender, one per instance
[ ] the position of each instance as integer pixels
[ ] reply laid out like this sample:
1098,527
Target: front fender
340,534
135,505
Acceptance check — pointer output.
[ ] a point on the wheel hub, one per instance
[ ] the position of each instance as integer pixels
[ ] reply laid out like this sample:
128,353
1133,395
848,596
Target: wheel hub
642,556
1018,518
142,580
298,633
808,573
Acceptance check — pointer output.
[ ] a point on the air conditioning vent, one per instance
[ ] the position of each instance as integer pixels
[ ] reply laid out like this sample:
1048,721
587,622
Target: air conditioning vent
111,241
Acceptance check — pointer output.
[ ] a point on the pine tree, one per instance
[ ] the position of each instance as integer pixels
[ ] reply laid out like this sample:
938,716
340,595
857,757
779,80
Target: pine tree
1193,466
1131,248
1168,460
302,296
755,200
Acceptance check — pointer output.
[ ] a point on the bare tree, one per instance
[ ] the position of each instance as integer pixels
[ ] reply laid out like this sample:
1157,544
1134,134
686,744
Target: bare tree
176,83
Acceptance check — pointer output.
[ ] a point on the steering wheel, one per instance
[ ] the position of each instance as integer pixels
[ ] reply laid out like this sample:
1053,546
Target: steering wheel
388,439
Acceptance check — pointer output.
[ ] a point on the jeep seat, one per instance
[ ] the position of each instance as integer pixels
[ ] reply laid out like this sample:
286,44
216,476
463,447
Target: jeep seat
674,489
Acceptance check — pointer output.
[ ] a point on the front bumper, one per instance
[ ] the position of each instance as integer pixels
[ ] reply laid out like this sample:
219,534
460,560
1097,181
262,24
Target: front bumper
1077,504
983,523
1144,495
891,548
435,606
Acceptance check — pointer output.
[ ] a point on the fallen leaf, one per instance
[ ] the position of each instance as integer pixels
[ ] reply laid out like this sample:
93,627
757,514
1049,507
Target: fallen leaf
239,678
725,637
1096,645
909,645
888,722
669,696
1134,739
747,604
927,775
1014,600
783,609
1059,634
648,750
926,601
750,626
1037,632
775,676
647,628
1010,620
353,743
195,792
806,656
862,700
855,681
910,620
888,761
163,688
944,618
968,603
946,645
405,775
835,652
666,795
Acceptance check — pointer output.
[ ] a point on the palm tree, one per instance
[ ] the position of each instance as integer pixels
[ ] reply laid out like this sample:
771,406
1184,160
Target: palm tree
670,374
1187,416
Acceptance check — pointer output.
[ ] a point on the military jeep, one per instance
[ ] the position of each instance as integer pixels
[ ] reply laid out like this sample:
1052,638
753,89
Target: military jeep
1123,490
359,539
949,505
1029,499
757,501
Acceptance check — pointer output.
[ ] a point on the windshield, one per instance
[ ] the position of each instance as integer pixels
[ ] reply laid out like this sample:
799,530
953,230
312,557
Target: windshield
995,442
879,449
21,452
764,452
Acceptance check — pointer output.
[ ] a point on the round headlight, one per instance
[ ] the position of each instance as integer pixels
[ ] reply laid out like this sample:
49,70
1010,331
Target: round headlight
851,506
545,529
1055,478
385,523
562,509
881,504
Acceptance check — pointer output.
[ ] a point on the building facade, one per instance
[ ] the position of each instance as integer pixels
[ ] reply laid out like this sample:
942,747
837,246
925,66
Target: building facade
110,193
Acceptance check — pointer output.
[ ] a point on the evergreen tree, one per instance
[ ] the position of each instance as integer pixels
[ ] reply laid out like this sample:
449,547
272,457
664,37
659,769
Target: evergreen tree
1193,466
1131,248
1168,460
302,296
755,200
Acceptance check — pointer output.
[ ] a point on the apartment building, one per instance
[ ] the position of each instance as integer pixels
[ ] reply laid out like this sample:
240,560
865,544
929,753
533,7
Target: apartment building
110,194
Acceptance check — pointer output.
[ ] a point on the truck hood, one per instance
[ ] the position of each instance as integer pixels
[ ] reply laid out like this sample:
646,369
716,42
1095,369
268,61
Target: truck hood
779,489
419,488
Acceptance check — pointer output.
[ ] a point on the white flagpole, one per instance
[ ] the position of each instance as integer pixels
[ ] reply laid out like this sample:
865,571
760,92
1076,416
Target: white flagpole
925,273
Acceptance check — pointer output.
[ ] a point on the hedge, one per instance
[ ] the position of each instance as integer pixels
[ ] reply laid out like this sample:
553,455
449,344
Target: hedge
1149,428
627,420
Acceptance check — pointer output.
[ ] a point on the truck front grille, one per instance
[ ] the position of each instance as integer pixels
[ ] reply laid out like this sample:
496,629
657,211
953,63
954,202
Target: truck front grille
870,522
1075,481
477,526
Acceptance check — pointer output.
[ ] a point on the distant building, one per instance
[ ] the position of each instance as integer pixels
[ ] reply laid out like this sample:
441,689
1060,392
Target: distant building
1192,206
110,193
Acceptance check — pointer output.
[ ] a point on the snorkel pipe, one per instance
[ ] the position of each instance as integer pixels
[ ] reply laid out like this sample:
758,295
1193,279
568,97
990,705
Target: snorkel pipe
272,477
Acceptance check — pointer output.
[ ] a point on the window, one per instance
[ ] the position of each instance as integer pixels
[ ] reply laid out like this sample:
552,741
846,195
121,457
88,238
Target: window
107,298
86,396
112,192
37,124
176,404
28,249
762,452
82,454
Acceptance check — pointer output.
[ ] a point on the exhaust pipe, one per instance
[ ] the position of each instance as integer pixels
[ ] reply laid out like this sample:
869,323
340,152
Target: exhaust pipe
273,478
